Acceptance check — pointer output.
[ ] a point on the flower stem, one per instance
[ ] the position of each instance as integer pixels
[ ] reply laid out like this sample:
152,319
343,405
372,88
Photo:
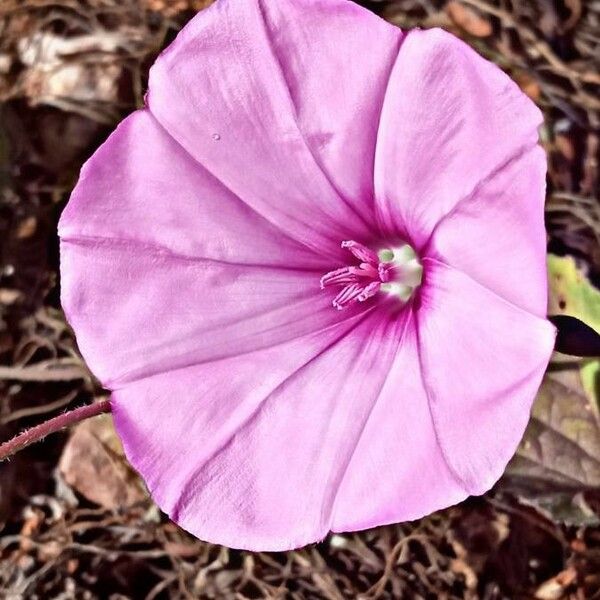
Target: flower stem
39,432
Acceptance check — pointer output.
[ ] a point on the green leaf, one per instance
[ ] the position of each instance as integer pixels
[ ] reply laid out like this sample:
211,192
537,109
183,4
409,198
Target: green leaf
571,293
561,446
590,378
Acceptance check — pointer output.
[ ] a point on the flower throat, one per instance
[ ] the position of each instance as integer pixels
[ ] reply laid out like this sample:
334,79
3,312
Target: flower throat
395,271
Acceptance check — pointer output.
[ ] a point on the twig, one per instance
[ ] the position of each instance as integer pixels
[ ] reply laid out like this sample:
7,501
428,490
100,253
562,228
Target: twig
52,370
39,432
39,410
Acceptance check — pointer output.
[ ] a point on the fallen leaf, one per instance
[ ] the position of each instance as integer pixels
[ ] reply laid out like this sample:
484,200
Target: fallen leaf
170,8
559,455
468,19
548,21
9,296
571,293
555,588
93,463
590,378
26,228
565,146
557,466
529,85
576,9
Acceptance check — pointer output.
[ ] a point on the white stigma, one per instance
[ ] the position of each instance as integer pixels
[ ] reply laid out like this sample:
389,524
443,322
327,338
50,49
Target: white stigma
404,271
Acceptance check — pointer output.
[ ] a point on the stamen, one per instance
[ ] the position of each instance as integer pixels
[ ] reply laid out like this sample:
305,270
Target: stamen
338,276
347,295
384,272
394,271
365,270
369,291
361,252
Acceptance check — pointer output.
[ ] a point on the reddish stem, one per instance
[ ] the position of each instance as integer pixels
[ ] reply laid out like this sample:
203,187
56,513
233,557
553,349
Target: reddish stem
39,432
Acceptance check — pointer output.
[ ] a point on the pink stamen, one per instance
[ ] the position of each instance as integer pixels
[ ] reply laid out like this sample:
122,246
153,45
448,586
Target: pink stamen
383,270
361,252
349,293
367,270
369,291
360,282
335,277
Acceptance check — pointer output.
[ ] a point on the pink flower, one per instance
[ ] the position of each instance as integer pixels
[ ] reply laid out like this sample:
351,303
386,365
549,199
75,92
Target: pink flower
286,147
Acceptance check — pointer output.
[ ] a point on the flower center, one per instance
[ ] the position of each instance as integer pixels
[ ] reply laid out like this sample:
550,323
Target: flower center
394,271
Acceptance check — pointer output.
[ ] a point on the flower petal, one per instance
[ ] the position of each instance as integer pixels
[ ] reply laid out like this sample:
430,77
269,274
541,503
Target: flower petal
249,451
398,471
138,310
450,119
142,187
280,101
483,360
505,247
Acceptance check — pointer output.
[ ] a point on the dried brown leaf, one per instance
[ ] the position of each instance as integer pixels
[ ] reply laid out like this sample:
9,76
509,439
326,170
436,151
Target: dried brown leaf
555,588
561,447
93,463
468,19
